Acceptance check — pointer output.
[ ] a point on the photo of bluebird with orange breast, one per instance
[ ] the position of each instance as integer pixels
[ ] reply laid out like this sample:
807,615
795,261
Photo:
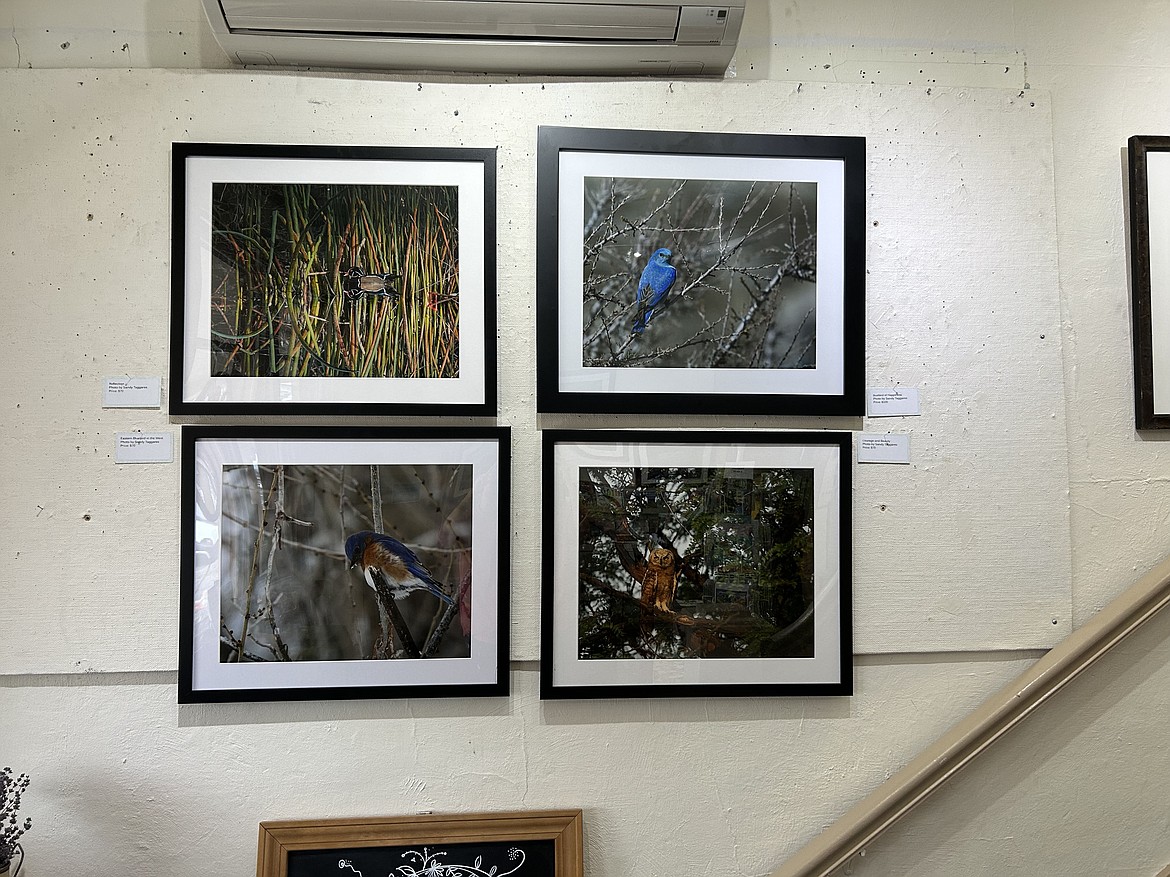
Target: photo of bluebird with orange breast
293,535
387,563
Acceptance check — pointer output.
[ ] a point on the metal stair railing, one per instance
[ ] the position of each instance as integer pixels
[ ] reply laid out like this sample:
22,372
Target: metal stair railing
1001,712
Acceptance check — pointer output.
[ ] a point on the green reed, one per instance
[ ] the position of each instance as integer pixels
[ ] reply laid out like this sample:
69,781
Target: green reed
279,253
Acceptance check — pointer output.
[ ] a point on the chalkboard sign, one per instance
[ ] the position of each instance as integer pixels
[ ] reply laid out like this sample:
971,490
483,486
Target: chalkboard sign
495,859
527,844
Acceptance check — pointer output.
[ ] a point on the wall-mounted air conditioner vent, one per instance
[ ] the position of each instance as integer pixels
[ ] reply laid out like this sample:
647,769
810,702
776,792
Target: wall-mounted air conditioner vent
488,36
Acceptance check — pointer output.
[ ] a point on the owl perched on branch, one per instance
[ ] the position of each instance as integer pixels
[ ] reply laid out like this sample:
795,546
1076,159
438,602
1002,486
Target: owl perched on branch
661,579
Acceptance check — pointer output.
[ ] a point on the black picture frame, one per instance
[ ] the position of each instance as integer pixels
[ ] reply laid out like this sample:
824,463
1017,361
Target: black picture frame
777,328
1149,221
276,602
696,564
332,280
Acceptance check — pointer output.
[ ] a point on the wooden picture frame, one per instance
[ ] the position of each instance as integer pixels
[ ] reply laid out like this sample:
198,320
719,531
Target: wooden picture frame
336,562
700,273
528,844
1149,241
332,279
696,564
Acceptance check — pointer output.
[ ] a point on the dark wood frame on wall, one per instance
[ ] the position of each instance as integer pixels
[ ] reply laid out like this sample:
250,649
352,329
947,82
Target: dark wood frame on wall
346,838
198,386
833,385
1144,294
812,655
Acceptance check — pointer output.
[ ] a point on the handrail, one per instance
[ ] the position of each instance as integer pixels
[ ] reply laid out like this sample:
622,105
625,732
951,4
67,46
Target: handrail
1001,712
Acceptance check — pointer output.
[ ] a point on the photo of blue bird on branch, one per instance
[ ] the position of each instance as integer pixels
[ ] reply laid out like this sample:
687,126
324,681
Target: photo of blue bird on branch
692,273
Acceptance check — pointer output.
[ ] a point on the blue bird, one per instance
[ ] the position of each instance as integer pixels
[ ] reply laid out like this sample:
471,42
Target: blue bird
655,282
387,563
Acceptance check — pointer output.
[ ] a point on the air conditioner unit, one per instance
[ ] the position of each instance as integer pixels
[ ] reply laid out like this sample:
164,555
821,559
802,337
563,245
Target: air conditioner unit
612,37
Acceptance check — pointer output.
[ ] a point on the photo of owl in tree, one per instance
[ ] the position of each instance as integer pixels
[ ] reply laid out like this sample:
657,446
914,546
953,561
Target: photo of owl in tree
660,581
679,562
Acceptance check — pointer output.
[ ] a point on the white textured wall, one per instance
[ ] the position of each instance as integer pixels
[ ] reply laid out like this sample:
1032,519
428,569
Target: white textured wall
963,303
996,171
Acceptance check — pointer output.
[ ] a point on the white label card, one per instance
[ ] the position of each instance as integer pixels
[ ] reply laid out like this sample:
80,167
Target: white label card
144,447
892,401
132,393
875,448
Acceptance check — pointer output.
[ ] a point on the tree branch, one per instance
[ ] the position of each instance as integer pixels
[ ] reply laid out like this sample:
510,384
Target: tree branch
390,607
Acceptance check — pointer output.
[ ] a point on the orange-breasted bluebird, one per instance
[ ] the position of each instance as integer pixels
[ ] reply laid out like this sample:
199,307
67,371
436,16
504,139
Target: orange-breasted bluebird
655,282
384,558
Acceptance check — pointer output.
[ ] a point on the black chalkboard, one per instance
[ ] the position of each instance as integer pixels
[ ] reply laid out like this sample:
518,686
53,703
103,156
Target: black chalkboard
529,858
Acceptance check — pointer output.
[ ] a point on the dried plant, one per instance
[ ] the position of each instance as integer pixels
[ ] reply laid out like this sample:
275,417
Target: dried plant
11,828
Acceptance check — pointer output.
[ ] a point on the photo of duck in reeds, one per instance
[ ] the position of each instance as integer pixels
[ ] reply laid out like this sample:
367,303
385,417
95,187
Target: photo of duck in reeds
334,280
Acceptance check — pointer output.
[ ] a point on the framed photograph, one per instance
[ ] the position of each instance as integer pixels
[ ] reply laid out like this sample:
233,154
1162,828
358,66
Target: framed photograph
695,273
343,562
330,279
1149,240
704,564
530,844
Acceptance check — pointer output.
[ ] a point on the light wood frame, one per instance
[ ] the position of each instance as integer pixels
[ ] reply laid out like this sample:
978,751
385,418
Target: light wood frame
563,827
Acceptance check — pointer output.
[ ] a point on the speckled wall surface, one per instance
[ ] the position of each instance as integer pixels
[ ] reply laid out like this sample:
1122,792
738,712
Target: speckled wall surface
962,303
